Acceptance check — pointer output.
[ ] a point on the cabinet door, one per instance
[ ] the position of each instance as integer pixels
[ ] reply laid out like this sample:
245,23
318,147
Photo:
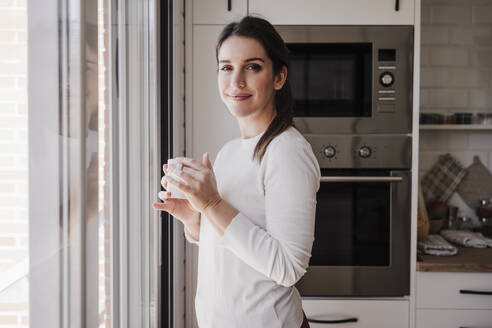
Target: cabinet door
369,313
212,123
218,11
453,318
335,12
454,290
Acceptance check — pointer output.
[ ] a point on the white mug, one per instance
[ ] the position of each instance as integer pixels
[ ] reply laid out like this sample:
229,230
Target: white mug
174,166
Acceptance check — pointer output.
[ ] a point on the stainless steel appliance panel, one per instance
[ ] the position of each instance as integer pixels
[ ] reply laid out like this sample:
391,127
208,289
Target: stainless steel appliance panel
362,238
391,79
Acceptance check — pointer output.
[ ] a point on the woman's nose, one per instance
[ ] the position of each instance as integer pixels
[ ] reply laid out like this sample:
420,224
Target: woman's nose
238,80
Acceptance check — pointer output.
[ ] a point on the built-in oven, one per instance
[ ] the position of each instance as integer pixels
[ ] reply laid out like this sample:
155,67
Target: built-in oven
363,222
351,79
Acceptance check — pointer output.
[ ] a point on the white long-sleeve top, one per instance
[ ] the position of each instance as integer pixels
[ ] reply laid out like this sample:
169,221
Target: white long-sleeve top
246,277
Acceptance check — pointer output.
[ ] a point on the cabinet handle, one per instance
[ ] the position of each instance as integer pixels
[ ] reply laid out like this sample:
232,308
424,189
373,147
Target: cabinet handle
397,5
353,319
229,5
475,292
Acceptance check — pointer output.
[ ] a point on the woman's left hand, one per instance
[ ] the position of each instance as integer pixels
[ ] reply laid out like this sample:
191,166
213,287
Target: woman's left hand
200,187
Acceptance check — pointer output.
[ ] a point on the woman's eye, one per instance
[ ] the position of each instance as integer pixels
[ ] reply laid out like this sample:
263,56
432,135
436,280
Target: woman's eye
225,68
254,67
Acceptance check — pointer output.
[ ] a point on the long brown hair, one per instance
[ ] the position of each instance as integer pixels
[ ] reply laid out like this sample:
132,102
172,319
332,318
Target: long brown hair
275,48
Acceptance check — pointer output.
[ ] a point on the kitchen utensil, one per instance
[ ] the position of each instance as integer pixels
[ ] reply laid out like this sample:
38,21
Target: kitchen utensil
452,217
422,218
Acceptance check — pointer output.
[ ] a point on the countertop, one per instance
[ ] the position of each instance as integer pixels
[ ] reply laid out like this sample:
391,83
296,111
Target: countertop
467,260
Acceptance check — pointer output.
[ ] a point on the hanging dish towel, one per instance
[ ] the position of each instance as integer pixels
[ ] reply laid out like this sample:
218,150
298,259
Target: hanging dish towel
436,245
477,184
442,179
466,238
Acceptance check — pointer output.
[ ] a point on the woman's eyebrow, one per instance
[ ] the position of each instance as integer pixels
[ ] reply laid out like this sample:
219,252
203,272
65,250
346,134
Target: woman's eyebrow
246,60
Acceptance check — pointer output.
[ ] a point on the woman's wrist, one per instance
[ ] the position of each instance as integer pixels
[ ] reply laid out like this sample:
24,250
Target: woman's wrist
220,215
193,226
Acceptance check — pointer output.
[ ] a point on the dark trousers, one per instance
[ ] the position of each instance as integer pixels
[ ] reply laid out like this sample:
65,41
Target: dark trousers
305,323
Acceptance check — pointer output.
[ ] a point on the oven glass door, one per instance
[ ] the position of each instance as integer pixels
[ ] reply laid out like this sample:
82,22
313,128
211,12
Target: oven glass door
353,220
331,79
362,235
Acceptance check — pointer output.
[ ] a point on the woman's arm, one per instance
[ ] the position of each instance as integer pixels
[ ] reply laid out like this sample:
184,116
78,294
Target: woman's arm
192,229
282,250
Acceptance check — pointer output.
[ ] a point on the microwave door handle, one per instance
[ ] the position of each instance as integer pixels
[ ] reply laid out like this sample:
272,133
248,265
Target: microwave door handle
359,179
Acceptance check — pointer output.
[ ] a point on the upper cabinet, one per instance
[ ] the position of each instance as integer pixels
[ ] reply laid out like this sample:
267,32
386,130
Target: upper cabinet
335,12
218,11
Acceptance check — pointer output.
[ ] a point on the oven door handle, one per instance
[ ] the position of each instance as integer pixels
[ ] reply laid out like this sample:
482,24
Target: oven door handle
359,179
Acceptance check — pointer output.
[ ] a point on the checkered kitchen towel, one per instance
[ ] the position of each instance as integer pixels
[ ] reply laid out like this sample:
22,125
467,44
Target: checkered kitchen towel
442,179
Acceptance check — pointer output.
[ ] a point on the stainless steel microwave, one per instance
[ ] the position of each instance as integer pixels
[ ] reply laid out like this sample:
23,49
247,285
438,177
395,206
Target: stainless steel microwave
351,79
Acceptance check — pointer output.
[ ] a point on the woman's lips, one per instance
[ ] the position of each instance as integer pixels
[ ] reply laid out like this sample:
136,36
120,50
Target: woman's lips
240,97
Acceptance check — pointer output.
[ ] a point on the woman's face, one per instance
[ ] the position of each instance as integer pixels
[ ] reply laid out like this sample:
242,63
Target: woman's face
245,77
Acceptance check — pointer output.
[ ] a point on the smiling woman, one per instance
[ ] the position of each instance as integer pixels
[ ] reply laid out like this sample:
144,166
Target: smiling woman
252,212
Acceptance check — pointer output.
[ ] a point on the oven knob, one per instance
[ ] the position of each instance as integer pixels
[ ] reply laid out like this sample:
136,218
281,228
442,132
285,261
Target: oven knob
330,151
364,152
386,79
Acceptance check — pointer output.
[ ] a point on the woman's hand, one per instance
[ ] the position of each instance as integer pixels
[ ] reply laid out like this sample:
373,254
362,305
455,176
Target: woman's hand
180,208
200,185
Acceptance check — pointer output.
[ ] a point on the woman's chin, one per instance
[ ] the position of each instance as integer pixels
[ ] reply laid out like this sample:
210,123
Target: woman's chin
240,110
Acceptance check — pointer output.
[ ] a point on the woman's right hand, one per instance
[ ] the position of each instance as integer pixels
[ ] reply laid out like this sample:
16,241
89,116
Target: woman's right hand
180,208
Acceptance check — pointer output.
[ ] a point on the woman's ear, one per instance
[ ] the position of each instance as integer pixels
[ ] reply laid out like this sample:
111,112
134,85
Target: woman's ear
280,78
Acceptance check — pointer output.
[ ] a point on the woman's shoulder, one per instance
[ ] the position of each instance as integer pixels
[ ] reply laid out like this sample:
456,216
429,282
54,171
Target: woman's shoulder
290,138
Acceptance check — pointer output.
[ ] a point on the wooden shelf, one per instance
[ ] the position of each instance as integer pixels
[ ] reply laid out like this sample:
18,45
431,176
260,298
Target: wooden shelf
467,260
455,127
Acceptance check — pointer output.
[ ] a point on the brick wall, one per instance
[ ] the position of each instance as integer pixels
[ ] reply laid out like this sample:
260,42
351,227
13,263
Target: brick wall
13,159
456,76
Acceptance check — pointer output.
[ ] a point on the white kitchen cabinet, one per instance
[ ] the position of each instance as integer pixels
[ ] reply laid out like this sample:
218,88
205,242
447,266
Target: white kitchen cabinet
442,290
442,300
369,313
212,123
335,12
436,318
218,11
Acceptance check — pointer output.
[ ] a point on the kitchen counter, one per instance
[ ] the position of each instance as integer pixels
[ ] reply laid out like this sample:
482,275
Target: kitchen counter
467,260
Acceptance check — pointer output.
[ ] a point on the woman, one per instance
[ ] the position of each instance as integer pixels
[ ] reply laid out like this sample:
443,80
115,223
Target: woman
252,213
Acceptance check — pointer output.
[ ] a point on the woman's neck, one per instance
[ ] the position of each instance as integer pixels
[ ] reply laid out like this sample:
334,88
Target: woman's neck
253,126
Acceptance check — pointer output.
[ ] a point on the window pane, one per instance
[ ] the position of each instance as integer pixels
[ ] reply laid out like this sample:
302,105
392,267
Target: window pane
104,168
14,263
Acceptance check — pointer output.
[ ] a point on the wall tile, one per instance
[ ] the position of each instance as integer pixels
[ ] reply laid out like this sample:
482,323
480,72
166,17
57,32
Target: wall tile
481,57
449,56
482,14
425,15
424,98
450,15
479,36
427,159
448,98
481,99
424,56
443,140
434,76
434,35
468,77
480,141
